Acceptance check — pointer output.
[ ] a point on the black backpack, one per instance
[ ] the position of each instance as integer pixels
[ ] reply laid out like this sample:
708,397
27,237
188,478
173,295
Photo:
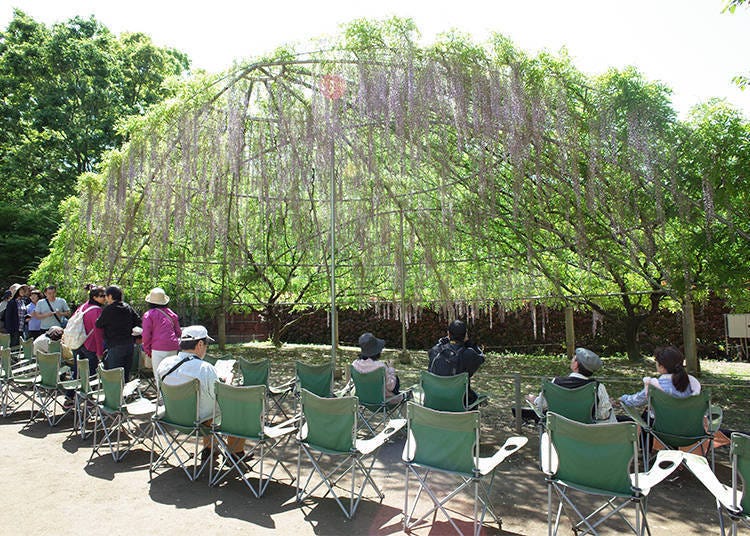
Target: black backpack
445,362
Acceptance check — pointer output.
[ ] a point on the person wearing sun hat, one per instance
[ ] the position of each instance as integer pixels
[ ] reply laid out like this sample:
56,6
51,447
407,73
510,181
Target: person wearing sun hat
369,359
161,328
582,366
15,313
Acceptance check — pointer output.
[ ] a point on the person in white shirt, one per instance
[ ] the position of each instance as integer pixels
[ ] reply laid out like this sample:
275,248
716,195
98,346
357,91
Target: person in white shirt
51,310
187,365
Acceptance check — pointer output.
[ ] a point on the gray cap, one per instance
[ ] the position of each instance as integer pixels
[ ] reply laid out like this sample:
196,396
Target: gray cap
588,359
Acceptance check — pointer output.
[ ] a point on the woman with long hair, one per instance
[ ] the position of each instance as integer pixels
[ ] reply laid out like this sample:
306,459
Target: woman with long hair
673,378
161,328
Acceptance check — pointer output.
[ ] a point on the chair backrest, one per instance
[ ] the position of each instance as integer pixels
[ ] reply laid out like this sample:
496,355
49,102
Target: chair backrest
54,347
330,423
740,453
242,409
82,368
7,365
112,382
318,379
578,403
49,368
181,403
444,393
678,420
5,339
369,386
445,440
597,457
28,349
255,372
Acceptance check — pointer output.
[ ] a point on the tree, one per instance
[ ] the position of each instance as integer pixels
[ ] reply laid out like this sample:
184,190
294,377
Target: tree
65,89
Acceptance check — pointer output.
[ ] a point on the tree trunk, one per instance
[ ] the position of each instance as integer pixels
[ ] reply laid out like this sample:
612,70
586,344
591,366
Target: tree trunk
688,335
632,344
221,325
570,333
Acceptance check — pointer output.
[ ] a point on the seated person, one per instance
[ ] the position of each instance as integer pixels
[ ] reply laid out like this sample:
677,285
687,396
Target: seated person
582,366
369,359
55,333
673,378
455,354
187,365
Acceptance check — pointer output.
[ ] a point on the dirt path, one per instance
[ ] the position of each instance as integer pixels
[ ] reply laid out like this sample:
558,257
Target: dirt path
49,486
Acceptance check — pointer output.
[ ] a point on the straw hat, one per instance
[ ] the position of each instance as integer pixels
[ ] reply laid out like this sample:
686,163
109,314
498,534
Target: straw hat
157,296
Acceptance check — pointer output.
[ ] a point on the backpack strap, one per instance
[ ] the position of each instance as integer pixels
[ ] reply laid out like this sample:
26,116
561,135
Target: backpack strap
52,310
171,320
178,365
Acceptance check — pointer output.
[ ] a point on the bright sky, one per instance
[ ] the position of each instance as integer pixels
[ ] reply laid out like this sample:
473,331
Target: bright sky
687,44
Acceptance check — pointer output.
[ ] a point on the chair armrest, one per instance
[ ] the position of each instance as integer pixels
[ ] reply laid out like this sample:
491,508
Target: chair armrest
539,413
511,445
698,465
665,464
481,399
367,446
634,414
346,390
714,416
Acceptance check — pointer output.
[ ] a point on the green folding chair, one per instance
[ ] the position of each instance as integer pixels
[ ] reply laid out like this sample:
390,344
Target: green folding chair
241,412
596,459
27,351
16,382
5,340
329,434
375,407
48,390
176,430
54,347
680,422
258,373
318,379
117,419
733,501
82,404
447,393
442,446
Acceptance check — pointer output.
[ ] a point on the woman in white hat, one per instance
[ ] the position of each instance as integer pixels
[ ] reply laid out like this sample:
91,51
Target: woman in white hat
161,328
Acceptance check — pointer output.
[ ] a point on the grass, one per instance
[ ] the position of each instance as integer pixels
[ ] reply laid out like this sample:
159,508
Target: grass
729,381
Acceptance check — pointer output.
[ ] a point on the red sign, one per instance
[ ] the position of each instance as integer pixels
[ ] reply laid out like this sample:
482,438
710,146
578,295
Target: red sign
333,86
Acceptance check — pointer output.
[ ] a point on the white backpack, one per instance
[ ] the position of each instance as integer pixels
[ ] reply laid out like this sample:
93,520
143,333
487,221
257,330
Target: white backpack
74,335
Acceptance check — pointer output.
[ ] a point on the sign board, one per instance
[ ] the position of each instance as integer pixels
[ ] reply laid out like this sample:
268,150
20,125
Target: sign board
738,326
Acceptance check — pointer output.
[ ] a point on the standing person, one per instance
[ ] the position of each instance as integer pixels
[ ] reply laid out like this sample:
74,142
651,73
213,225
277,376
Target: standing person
582,366
15,313
51,310
35,324
93,347
118,320
161,328
4,305
455,354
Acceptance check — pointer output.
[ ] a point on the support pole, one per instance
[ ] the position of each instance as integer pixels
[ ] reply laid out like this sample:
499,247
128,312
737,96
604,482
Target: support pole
405,358
570,332
334,316
519,401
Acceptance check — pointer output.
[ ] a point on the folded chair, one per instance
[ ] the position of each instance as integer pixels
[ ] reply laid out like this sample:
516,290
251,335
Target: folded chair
375,407
442,446
258,373
16,382
447,393
176,431
600,460
731,501
48,389
329,434
688,423
83,404
240,412
115,418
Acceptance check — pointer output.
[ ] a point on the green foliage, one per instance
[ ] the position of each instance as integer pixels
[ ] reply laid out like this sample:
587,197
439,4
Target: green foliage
63,91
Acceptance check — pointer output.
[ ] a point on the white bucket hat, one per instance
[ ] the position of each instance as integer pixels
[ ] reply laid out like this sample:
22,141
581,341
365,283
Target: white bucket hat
157,296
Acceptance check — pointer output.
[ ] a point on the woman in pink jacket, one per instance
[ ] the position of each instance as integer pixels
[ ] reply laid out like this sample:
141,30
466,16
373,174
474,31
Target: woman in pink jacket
161,328
93,348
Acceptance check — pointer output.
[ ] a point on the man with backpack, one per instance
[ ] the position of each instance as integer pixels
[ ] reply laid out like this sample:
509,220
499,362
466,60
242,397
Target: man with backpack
455,354
582,366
